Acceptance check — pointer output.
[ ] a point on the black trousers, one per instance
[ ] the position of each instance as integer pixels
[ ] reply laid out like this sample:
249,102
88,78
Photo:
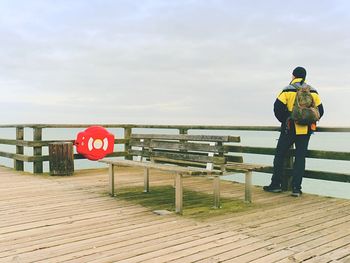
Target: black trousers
285,141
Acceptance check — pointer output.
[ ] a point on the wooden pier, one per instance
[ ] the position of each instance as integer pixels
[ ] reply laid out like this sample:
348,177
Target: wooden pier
72,219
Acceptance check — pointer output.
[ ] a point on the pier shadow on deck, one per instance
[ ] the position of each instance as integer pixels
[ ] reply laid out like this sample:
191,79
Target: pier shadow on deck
72,219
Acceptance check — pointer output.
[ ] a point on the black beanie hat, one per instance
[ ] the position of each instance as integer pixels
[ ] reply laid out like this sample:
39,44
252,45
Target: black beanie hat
299,72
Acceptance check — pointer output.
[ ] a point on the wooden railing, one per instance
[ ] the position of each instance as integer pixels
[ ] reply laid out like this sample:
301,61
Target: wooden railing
37,144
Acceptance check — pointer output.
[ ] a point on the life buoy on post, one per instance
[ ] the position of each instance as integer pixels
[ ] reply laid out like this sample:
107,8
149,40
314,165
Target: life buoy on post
95,143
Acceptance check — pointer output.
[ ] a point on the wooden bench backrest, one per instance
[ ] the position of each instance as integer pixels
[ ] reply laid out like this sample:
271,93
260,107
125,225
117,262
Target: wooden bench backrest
186,150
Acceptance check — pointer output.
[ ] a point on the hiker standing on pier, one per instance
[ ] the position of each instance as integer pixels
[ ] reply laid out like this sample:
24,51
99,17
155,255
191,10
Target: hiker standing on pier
297,107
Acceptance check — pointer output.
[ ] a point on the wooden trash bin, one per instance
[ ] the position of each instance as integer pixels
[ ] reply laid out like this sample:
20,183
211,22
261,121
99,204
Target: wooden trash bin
61,158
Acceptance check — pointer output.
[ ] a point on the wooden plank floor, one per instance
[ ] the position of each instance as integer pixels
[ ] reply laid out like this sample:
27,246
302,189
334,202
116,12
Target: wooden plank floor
72,219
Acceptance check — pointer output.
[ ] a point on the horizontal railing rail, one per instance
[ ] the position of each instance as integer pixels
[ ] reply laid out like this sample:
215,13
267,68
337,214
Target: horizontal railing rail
315,154
37,144
159,126
44,143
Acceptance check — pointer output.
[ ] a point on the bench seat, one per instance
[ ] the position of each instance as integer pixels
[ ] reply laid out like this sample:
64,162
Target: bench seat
184,155
243,167
190,171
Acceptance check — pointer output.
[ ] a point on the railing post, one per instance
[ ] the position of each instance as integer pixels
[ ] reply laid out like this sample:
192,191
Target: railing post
178,194
19,165
248,187
216,186
111,179
183,131
37,150
127,136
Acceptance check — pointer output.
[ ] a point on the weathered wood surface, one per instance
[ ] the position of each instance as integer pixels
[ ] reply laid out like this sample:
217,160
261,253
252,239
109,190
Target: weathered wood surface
37,150
167,148
61,158
39,143
169,168
181,146
316,154
195,157
243,167
186,137
229,158
19,165
71,219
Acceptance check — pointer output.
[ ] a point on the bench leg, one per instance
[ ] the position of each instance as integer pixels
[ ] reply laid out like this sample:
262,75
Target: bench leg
178,194
216,187
248,187
111,179
146,180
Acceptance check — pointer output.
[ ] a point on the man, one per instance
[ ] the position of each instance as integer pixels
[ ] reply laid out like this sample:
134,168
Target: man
291,132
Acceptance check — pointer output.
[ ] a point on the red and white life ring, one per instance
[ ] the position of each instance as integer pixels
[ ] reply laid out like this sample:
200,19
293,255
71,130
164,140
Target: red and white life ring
95,143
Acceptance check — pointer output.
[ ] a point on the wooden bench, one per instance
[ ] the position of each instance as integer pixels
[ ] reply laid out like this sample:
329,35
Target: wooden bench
184,155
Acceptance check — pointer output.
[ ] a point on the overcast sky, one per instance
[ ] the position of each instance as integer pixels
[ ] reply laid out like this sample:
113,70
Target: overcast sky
169,61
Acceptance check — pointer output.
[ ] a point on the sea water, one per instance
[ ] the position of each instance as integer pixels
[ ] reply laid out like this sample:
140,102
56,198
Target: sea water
327,141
